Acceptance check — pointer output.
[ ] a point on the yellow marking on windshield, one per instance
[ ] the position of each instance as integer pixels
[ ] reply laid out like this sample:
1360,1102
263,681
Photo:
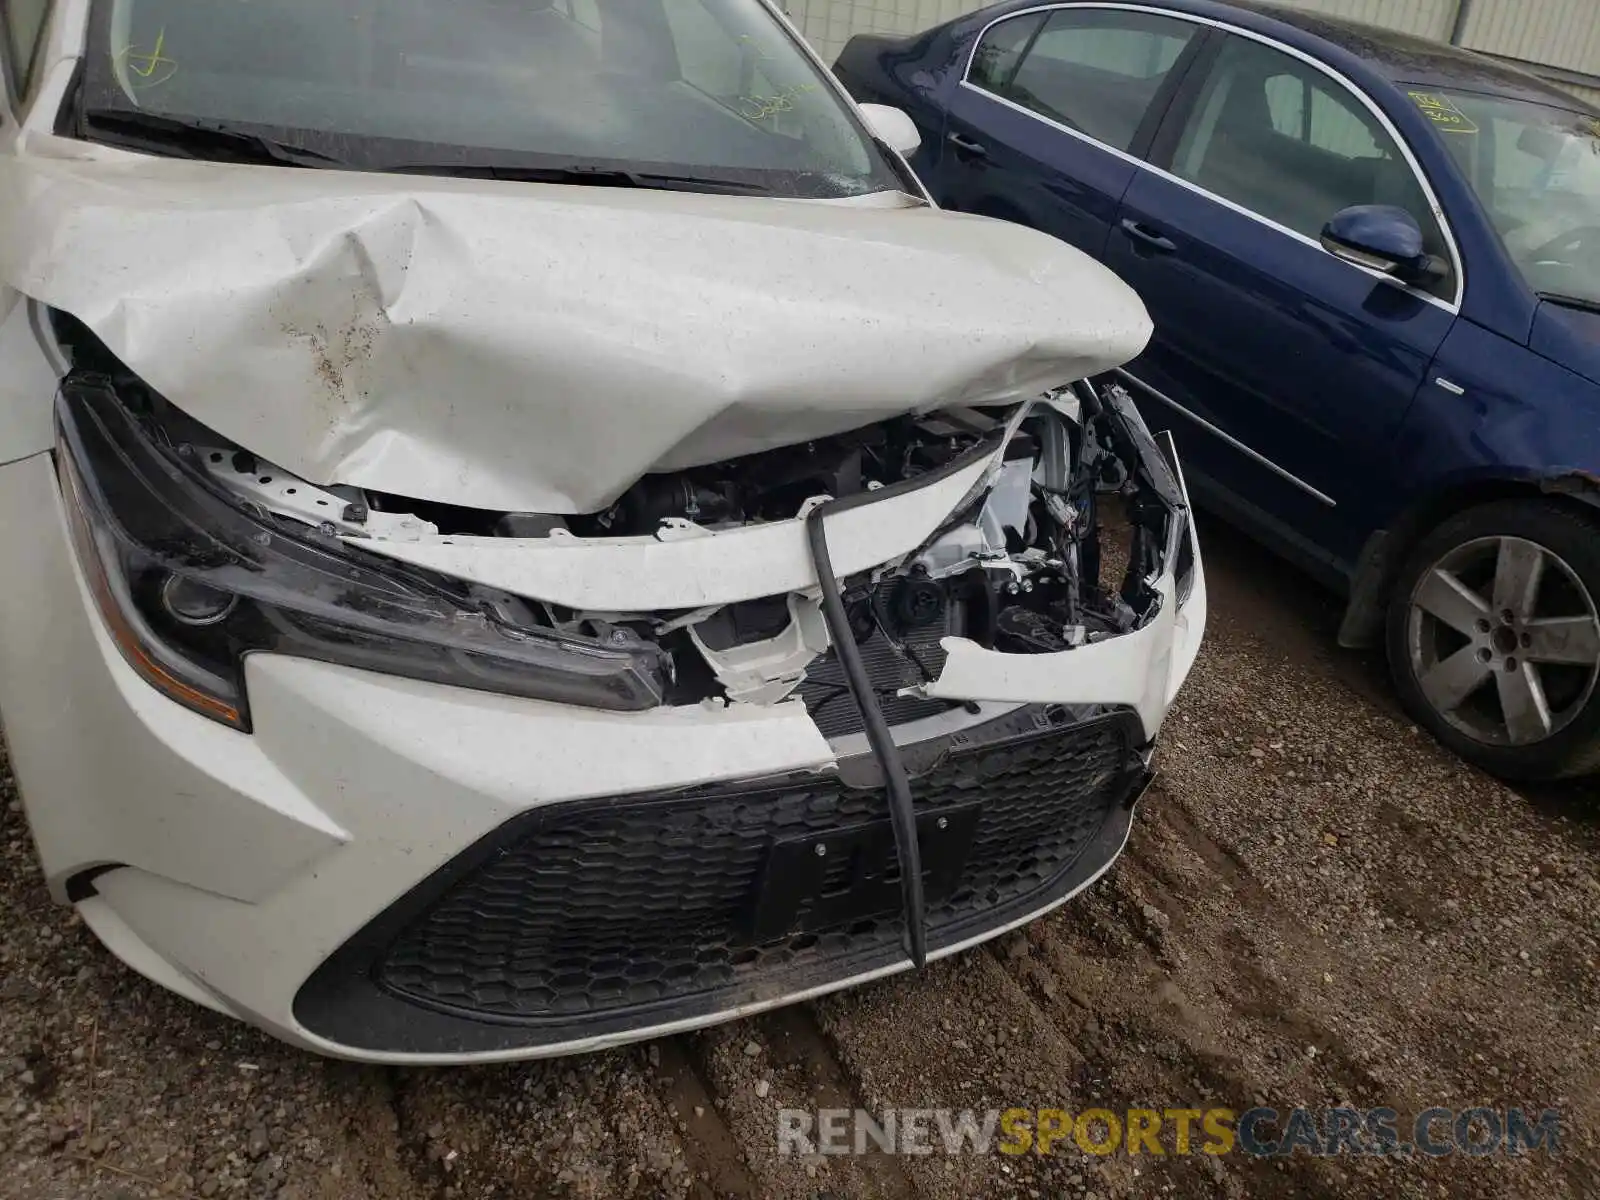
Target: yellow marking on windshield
152,69
1442,111
759,108
748,43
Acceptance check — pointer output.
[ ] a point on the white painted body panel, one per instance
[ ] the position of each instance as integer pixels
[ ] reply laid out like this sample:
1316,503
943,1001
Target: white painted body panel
249,858
509,346
712,567
26,382
528,347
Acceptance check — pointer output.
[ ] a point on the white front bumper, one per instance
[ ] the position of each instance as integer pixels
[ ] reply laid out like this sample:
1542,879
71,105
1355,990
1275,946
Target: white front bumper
242,861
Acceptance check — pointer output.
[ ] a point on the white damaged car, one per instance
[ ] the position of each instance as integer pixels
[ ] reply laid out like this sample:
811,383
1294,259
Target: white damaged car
523,528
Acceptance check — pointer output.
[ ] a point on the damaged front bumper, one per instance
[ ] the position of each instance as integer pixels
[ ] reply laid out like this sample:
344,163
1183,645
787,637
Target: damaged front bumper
397,869
394,869
942,530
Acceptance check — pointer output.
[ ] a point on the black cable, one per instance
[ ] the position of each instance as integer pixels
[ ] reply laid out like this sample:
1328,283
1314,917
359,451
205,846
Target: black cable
902,816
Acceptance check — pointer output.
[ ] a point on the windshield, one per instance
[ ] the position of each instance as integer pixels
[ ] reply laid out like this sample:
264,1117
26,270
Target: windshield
1536,170
687,89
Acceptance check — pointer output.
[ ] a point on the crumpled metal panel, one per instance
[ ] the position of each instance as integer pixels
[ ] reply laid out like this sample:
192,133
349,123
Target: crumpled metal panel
529,347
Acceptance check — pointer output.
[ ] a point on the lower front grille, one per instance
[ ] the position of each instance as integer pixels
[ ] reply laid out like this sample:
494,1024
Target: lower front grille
603,915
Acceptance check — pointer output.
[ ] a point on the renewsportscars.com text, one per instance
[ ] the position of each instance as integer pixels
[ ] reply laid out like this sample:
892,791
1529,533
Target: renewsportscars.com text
1260,1132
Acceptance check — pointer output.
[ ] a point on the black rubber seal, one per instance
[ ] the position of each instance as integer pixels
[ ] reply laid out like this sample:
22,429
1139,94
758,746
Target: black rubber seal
902,815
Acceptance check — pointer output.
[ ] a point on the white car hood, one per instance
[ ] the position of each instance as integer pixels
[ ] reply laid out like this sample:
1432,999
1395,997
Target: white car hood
528,347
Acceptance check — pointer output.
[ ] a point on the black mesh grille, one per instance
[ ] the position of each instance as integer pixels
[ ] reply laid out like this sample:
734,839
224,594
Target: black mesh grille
827,696
600,907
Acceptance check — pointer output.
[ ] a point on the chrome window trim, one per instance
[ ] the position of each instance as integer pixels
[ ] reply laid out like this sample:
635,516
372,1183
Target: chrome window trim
1458,267
1226,437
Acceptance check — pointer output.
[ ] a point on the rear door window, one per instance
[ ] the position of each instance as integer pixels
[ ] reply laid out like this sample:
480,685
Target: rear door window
999,52
1097,70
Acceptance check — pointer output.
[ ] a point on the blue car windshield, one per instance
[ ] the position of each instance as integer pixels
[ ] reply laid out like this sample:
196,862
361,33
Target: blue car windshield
684,88
1536,170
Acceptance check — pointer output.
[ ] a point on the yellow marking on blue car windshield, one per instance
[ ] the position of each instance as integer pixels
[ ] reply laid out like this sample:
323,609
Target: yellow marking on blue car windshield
1442,111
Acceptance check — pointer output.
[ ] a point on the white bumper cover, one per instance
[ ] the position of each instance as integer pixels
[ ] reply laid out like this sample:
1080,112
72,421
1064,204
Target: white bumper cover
240,862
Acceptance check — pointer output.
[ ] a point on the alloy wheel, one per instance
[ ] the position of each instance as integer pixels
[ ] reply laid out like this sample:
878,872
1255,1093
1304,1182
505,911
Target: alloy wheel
1504,641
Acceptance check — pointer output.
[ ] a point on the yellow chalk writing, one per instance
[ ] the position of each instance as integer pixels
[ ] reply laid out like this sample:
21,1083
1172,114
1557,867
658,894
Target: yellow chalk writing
759,108
152,68
1442,111
748,43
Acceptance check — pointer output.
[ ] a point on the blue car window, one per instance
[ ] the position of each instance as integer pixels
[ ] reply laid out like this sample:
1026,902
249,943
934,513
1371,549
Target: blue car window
1097,70
1293,145
1289,107
1536,170
1000,50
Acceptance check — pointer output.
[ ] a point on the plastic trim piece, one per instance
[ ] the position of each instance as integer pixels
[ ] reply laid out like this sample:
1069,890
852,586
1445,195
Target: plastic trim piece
343,1006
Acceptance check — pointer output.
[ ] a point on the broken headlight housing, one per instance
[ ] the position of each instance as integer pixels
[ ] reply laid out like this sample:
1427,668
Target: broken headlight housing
190,583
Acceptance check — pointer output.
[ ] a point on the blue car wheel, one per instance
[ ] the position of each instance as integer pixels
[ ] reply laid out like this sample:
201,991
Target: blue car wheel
1494,637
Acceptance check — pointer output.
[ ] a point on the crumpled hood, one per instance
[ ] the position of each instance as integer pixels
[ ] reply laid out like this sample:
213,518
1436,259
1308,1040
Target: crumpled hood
537,348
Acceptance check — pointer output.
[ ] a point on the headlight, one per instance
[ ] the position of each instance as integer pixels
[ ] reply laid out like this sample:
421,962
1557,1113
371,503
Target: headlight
189,583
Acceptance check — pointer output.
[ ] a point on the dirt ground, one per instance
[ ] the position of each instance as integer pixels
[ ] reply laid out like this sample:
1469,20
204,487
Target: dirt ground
1318,906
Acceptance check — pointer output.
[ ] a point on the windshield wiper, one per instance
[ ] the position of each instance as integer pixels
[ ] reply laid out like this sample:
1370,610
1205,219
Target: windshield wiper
578,173
199,138
1571,301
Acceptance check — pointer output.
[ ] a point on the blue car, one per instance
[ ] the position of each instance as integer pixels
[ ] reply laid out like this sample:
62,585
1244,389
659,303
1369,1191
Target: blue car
1373,263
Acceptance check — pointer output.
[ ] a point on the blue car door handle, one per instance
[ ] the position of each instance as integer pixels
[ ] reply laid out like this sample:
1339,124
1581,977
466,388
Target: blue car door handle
968,148
1147,236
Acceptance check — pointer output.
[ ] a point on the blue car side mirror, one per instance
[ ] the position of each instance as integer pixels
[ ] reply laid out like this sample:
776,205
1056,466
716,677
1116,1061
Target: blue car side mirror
1384,238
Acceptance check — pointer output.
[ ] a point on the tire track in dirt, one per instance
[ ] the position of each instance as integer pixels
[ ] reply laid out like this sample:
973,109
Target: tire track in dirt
710,1146
1257,994
785,1060
800,1044
976,1038
1226,863
407,1150
1165,1040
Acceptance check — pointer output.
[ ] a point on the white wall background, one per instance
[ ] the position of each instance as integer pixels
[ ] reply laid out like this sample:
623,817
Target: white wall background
1557,33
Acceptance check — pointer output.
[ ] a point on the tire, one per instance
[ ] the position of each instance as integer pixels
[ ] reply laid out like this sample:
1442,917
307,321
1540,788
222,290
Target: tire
1493,634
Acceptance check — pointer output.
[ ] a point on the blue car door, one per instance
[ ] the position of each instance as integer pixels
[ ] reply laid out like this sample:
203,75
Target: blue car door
1284,372
1044,125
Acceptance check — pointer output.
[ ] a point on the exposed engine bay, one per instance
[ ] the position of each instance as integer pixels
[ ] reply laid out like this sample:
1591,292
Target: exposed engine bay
1016,567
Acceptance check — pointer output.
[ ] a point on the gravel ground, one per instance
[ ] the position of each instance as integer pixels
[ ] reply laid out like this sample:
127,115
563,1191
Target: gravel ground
1318,906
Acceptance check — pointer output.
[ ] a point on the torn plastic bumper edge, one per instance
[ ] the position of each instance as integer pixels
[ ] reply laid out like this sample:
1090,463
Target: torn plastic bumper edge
357,752
1158,460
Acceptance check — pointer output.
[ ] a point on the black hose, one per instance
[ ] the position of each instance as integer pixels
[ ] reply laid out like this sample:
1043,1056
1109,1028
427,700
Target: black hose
902,816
